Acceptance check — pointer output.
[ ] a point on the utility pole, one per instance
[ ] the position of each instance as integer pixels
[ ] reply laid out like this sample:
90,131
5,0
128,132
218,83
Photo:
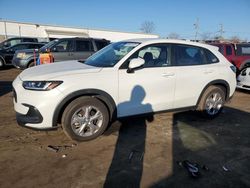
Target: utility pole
221,31
196,27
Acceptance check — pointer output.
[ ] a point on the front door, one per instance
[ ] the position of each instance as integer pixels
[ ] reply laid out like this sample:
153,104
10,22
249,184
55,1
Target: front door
150,88
63,50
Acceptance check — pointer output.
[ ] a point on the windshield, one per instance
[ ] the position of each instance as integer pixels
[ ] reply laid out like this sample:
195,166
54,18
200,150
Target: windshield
110,55
48,45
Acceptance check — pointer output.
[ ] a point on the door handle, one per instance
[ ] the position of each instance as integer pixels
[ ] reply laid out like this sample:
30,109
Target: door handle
168,74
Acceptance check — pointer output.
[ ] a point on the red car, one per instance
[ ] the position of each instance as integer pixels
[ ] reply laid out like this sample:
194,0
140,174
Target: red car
237,54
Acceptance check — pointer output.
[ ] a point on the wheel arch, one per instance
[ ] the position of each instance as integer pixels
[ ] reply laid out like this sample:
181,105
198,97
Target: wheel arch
222,83
99,94
2,58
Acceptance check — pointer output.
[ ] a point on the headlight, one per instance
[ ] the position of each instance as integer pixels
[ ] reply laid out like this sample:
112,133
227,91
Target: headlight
41,85
21,55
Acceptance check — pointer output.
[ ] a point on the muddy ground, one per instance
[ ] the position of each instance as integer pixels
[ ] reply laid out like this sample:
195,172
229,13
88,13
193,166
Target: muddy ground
157,144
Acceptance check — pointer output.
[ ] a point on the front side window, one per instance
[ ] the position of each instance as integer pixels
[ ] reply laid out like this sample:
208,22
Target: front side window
83,46
63,46
189,55
228,50
157,55
111,55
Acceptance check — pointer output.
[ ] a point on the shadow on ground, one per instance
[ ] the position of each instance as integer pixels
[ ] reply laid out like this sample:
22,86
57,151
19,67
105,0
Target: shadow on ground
223,141
5,87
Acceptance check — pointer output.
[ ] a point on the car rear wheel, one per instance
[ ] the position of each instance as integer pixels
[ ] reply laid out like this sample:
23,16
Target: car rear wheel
212,101
85,118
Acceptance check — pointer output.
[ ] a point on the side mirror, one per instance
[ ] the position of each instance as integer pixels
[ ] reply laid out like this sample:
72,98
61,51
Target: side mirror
135,63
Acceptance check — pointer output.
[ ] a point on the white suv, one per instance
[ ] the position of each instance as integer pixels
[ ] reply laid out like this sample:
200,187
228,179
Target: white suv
123,79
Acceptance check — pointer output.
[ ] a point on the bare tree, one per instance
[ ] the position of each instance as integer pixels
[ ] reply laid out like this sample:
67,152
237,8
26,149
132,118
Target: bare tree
147,27
235,39
173,35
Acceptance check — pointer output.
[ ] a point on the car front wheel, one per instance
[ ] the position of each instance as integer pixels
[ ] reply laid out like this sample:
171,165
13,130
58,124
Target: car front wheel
212,101
85,118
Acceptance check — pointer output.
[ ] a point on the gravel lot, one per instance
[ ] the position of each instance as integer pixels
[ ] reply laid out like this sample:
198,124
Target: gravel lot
133,152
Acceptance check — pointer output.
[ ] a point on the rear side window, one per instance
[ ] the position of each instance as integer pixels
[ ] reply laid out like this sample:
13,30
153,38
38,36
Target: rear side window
211,58
100,44
83,46
189,55
63,46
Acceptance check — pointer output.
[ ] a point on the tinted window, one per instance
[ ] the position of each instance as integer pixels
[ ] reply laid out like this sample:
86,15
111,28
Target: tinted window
189,55
35,46
12,42
63,46
100,44
243,49
154,56
29,40
228,50
211,58
20,47
82,46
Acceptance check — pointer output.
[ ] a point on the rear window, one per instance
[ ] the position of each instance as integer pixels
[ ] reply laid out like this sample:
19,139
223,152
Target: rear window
101,44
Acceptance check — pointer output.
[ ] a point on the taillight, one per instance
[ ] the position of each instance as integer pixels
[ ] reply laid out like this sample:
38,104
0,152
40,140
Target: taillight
233,68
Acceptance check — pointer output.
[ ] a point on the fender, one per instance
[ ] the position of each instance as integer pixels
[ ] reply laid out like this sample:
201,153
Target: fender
101,95
216,82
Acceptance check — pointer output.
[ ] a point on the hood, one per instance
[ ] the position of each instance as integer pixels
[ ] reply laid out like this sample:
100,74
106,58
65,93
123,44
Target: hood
58,69
31,51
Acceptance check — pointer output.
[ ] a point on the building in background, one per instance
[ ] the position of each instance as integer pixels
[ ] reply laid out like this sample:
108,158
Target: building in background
44,32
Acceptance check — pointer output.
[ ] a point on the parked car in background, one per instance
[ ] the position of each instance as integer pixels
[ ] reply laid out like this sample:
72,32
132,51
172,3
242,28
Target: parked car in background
16,40
7,54
124,79
243,80
61,50
237,54
73,48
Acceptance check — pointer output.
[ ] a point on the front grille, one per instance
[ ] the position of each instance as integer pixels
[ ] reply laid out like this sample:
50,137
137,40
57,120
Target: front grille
14,95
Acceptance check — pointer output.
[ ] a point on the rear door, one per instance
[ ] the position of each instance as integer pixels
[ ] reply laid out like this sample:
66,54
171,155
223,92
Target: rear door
83,49
195,69
63,50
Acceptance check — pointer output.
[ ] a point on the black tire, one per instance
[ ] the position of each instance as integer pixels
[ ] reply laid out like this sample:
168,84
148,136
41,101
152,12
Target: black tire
210,93
31,64
76,110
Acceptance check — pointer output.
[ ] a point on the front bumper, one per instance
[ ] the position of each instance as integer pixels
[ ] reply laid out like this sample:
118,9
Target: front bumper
33,116
35,109
20,63
243,86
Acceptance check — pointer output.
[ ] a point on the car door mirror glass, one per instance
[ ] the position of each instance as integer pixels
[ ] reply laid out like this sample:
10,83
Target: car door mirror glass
136,63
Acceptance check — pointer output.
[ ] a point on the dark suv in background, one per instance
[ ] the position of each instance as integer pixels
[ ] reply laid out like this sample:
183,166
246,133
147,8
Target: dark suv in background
16,40
7,54
61,50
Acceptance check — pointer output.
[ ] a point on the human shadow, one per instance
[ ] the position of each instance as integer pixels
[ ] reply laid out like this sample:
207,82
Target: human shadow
221,144
127,164
5,87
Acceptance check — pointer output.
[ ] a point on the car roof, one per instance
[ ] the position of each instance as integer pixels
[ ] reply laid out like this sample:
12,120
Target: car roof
175,41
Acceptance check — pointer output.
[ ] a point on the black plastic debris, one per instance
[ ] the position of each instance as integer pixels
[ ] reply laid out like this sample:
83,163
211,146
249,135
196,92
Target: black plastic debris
53,148
192,168
58,148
